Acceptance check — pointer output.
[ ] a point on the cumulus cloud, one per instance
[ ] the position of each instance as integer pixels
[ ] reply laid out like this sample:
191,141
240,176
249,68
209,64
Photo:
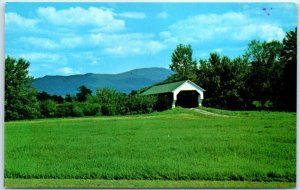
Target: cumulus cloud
110,43
218,50
133,15
105,38
162,15
77,16
16,20
88,57
48,44
168,37
203,55
71,42
137,47
67,71
44,43
228,26
165,34
97,38
45,57
266,31
127,44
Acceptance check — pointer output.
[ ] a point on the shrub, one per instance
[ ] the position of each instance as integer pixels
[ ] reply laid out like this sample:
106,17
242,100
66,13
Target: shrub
115,103
64,109
48,108
108,110
77,110
91,109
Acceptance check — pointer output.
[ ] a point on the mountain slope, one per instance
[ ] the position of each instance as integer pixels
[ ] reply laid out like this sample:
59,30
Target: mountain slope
123,82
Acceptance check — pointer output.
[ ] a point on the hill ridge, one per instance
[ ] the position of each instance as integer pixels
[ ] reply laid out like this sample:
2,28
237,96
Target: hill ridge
124,82
103,73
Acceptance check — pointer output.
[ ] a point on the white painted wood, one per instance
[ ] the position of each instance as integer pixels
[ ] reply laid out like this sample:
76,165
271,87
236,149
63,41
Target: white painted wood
188,85
174,100
173,103
174,96
200,100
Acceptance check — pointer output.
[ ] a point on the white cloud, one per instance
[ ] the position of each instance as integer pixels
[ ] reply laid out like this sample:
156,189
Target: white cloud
109,39
97,38
165,34
67,71
94,62
133,15
203,55
267,32
204,20
136,47
271,32
127,44
168,37
221,27
162,15
87,57
153,46
115,44
45,57
218,50
77,16
71,42
205,27
45,43
15,20
40,42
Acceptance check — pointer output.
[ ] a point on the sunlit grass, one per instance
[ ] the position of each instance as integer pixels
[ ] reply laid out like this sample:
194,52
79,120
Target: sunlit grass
173,145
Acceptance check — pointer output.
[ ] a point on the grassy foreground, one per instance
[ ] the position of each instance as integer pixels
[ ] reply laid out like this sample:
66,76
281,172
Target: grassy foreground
174,145
96,183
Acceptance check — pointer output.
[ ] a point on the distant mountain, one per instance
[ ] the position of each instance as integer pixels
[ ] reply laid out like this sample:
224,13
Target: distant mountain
122,82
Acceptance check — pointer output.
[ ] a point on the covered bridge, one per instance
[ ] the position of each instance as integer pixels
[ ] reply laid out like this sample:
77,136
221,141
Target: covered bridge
184,93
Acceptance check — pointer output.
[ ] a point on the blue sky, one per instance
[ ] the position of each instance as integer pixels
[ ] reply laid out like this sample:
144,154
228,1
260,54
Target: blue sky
78,38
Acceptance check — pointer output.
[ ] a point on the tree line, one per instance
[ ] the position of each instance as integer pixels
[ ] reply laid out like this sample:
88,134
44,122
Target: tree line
264,77
22,101
106,102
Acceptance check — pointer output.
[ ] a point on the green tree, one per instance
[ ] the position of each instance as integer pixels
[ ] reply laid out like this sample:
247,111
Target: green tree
263,58
108,100
65,109
68,98
57,99
82,94
288,58
224,81
48,108
43,96
138,104
20,96
183,64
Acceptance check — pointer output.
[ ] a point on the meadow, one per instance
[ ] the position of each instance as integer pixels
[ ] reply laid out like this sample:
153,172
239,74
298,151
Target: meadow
174,145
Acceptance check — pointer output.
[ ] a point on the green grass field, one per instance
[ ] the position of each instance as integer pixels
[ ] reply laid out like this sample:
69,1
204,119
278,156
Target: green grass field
179,144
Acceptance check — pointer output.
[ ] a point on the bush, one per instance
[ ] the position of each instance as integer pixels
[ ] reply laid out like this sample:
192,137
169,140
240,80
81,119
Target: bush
77,110
91,109
106,102
64,109
115,103
48,108
107,110
137,104
144,104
